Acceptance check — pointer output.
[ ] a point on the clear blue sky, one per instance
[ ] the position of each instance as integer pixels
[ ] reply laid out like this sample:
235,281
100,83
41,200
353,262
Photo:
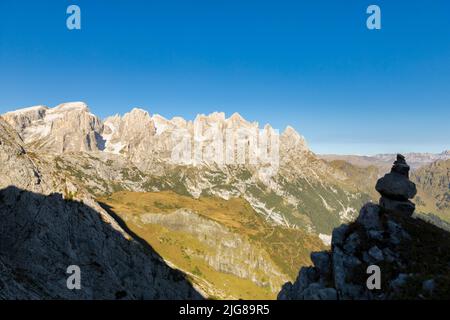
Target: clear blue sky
311,64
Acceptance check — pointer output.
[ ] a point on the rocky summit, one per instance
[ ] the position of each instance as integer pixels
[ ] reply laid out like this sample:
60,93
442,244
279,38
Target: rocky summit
411,255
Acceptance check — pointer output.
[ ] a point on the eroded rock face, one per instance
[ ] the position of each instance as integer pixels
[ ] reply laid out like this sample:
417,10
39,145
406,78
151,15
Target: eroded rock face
16,167
68,127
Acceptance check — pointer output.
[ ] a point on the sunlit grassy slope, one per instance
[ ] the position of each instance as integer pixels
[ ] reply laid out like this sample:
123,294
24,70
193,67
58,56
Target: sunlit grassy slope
226,248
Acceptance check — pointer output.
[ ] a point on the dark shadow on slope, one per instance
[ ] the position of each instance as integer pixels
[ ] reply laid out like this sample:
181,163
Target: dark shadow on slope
101,142
420,257
41,235
434,220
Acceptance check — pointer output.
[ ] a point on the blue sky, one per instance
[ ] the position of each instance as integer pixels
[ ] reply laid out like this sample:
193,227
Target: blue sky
310,64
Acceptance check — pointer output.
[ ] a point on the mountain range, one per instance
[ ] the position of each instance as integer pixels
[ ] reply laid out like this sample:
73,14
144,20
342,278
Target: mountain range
237,230
384,161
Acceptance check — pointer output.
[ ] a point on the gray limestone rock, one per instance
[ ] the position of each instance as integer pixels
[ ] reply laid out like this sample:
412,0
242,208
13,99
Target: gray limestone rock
369,217
404,207
352,243
338,235
396,186
322,262
376,254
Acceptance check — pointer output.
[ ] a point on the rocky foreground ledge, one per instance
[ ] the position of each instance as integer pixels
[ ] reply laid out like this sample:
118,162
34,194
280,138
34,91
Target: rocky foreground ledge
412,256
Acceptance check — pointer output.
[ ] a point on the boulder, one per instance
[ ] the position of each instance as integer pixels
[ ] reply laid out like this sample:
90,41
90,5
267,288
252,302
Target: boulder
321,261
343,265
338,235
352,243
400,166
399,282
396,186
404,207
396,233
317,292
376,254
375,235
306,277
369,217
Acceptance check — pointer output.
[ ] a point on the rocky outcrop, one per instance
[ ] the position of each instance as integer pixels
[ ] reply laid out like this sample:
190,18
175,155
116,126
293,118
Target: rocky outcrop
68,127
385,236
16,166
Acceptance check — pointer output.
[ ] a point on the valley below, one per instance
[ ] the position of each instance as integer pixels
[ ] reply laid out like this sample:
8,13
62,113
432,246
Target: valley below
227,250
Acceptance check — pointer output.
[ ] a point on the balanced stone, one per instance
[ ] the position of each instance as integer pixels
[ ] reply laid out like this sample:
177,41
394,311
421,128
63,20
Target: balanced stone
396,188
400,166
406,207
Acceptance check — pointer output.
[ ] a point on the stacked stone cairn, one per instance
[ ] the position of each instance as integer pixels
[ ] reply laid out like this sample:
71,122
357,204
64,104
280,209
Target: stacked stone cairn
396,189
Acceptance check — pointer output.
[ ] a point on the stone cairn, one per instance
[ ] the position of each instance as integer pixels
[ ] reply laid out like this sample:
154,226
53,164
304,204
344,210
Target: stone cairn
374,239
396,189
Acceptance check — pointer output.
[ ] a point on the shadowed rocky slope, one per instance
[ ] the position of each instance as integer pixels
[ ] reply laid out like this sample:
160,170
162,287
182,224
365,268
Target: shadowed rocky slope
413,255
40,236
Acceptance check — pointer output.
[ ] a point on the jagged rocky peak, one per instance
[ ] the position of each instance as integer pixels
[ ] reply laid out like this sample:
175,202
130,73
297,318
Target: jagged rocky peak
237,121
138,120
71,127
290,132
70,106
128,132
137,113
64,128
219,120
179,122
236,117
396,189
161,124
291,139
23,118
216,117
33,113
